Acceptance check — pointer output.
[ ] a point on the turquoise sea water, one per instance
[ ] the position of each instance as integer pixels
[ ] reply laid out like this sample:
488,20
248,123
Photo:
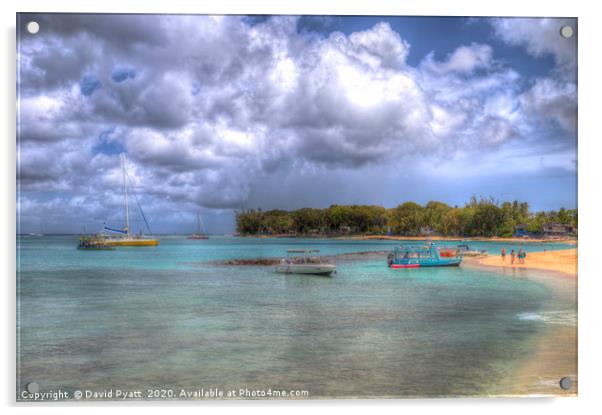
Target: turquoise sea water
170,317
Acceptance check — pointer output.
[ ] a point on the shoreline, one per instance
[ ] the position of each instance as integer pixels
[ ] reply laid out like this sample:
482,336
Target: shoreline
554,353
558,262
359,237
563,262
570,241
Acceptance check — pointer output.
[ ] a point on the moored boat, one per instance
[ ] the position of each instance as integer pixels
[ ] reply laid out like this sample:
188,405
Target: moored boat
428,255
91,243
465,250
198,234
130,240
123,237
304,261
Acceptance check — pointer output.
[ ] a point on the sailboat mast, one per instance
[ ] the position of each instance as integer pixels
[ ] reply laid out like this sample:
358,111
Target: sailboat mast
125,196
198,223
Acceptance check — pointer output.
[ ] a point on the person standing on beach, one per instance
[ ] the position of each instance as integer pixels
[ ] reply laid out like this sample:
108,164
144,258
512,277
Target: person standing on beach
521,256
503,254
512,256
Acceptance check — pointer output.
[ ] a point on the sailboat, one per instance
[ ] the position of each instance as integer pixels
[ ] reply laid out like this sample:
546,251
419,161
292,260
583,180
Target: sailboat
198,234
124,237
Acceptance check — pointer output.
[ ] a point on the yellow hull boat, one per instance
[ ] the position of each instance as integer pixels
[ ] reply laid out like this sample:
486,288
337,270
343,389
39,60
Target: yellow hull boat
131,242
124,237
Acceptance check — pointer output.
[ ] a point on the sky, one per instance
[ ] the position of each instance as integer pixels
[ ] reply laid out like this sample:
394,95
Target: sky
222,113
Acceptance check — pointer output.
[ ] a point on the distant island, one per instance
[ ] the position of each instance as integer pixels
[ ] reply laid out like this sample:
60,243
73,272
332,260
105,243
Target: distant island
483,217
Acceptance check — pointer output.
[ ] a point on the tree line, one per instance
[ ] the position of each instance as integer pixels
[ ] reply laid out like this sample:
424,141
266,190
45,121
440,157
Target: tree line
479,217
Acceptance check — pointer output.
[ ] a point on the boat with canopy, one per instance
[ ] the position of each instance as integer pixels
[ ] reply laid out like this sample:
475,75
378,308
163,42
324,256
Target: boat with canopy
428,255
304,261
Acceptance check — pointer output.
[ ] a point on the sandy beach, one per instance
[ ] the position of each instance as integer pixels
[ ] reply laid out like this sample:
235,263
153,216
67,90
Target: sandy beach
555,357
563,261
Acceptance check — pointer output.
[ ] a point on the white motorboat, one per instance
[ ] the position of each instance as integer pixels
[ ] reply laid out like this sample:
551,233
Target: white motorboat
465,250
304,261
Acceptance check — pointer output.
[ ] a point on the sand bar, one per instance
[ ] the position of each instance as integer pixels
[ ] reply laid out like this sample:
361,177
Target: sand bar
563,261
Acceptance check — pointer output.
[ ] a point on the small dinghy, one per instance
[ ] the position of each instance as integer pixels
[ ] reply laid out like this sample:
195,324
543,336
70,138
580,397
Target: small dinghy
466,251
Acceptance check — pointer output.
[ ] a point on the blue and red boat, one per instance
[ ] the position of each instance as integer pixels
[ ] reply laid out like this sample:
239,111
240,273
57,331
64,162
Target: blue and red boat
428,255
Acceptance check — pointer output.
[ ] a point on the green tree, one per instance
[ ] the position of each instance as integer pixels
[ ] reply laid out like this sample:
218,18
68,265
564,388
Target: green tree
433,214
479,217
488,218
277,222
336,217
407,219
308,220
451,223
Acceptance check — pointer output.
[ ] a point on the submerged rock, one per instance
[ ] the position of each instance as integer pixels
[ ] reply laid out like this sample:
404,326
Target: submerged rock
251,261
275,261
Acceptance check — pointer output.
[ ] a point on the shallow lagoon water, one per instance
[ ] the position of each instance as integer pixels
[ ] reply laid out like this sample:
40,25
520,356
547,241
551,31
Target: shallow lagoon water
169,317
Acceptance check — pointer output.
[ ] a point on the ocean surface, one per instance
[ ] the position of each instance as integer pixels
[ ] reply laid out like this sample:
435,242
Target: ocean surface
172,317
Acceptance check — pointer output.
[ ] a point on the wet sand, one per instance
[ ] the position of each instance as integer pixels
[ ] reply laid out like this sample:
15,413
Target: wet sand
555,357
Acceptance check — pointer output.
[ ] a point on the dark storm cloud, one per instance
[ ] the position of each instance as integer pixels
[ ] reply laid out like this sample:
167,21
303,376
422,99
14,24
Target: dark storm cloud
123,30
68,44
206,106
317,24
552,99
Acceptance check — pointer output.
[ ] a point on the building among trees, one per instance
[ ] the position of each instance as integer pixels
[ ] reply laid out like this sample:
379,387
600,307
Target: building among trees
558,229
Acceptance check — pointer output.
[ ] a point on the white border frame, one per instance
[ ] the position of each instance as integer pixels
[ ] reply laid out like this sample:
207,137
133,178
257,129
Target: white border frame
590,71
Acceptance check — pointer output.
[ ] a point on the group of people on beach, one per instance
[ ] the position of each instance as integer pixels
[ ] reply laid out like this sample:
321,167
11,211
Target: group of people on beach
521,255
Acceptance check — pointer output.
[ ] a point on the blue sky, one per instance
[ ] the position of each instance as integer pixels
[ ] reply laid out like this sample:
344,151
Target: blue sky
218,113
